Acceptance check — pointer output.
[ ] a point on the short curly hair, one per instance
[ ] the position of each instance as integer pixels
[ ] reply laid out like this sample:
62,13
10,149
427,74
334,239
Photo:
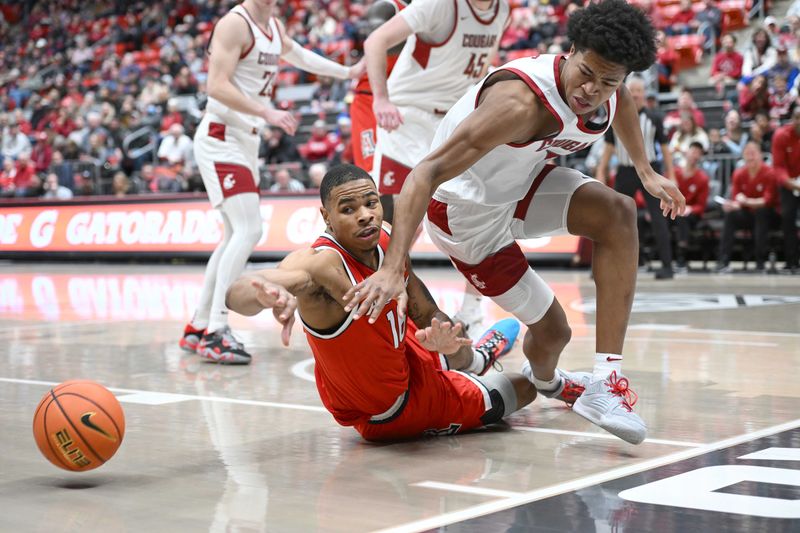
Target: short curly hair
619,32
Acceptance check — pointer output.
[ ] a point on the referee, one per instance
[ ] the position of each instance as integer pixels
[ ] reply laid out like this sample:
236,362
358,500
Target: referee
628,182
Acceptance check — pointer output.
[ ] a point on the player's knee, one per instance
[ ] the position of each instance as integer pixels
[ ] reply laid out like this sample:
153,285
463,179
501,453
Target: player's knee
620,217
253,234
508,393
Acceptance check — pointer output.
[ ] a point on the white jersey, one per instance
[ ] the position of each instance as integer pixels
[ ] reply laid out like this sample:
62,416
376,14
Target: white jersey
433,76
255,72
506,173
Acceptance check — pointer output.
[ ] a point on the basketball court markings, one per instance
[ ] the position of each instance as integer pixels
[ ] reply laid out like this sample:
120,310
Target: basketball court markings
509,502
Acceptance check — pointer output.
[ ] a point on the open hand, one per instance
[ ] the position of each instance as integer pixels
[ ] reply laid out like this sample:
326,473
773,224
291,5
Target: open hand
672,201
282,303
442,337
372,295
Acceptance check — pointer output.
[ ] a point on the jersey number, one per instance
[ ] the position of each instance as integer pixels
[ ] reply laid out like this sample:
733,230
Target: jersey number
269,76
398,328
475,66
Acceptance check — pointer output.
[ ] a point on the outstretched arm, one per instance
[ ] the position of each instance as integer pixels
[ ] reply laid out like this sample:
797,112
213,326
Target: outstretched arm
314,63
510,112
626,126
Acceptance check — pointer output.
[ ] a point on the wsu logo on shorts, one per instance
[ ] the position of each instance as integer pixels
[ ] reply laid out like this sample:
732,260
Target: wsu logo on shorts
477,282
228,182
388,179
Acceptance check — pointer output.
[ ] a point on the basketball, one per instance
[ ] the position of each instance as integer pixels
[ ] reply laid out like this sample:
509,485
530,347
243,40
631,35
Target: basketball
78,425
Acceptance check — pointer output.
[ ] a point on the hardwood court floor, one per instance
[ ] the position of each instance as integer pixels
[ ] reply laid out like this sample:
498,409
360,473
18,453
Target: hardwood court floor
713,358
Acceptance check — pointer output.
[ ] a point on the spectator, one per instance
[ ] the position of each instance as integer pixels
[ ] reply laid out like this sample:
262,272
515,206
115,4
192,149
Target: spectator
710,15
767,130
15,142
52,189
316,172
26,182
715,143
176,148
147,175
688,132
757,136
781,101
23,124
786,160
685,105
754,98
727,65
7,178
734,135
121,185
184,82
666,63
684,20
693,184
751,206
42,152
783,66
321,146
276,147
760,53
344,146
284,182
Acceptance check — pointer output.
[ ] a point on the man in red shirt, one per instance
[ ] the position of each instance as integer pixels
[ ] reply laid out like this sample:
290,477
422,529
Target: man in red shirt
727,65
752,206
321,146
693,183
786,160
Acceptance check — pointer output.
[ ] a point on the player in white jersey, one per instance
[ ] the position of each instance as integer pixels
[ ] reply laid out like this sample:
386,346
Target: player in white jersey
244,50
449,46
488,182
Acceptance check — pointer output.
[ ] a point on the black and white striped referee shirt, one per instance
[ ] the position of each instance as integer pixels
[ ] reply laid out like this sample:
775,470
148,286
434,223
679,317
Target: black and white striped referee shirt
652,125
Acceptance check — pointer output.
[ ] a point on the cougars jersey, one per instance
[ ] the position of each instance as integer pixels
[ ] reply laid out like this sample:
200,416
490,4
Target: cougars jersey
255,72
361,368
506,173
432,76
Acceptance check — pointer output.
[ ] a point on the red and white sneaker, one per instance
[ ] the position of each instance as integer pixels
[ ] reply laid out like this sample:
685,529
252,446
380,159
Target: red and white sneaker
222,347
191,338
609,403
572,384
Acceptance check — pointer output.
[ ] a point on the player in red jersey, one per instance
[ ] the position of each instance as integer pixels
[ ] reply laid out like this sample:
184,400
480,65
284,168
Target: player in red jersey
372,375
364,124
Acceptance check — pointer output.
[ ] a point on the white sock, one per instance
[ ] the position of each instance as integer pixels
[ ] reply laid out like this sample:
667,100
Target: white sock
471,304
199,323
547,385
478,362
604,364
541,384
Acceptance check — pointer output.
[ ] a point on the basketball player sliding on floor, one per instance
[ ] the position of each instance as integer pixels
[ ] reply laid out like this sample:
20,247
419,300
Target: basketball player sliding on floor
449,46
489,181
244,50
384,377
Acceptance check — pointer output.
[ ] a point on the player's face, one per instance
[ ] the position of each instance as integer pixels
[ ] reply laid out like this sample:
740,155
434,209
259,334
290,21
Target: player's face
588,81
354,214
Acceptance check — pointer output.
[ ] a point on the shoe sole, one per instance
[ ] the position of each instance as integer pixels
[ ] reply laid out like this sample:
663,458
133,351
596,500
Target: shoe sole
629,434
237,360
186,347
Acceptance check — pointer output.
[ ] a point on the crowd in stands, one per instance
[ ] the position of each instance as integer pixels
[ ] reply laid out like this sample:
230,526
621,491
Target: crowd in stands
103,97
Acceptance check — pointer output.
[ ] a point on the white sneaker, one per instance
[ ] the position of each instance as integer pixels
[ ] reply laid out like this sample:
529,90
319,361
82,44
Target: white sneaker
572,384
609,403
473,322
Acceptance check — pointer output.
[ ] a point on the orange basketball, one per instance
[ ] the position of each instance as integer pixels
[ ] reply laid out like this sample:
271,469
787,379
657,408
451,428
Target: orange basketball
78,425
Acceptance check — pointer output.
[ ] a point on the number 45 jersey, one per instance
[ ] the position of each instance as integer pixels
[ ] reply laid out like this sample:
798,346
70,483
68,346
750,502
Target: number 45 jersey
433,75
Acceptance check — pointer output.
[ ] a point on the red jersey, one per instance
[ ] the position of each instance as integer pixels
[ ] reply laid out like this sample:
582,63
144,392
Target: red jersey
695,188
786,153
361,368
728,63
762,185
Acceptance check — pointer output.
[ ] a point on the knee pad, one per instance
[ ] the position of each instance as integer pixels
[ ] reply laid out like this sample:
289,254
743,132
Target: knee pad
502,394
528,300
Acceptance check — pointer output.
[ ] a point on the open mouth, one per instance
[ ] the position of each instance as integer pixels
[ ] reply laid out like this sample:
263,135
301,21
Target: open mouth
367,232
580,103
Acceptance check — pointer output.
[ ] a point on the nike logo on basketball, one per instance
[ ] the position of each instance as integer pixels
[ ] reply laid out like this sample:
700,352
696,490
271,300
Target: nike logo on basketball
86,419
228,182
